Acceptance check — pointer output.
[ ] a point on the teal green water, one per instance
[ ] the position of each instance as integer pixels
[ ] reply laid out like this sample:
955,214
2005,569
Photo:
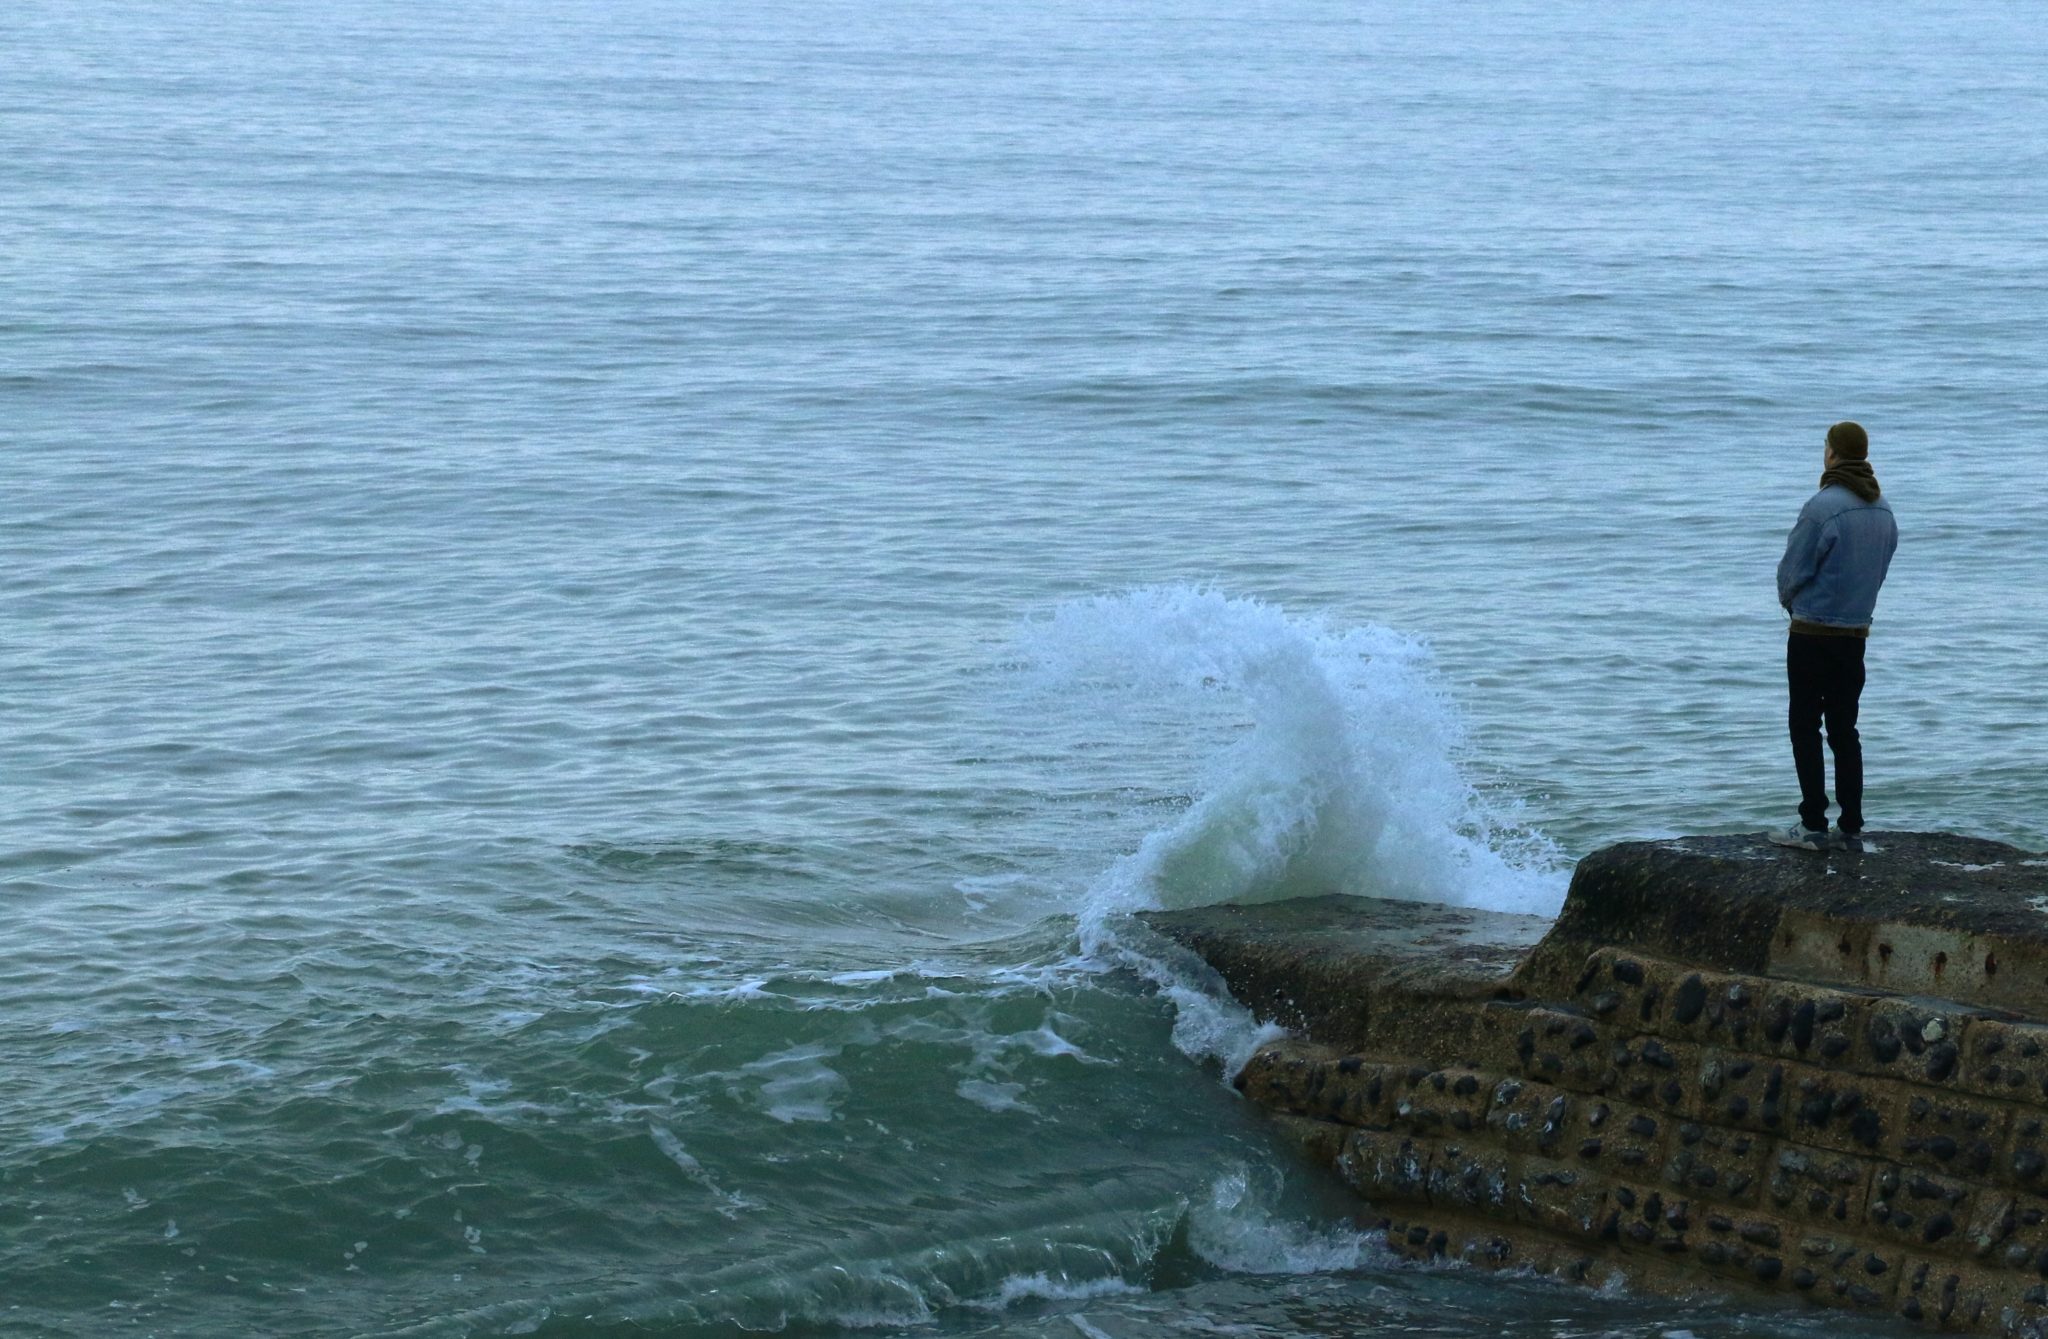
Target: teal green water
603,611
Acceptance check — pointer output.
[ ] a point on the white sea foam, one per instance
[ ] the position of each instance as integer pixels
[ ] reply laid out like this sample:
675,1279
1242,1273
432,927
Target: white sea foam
1338,765
866,978
1063,1247
1047,1288
1207,1023
1234,1230
994,1096
989,1079
728,1204
797,1084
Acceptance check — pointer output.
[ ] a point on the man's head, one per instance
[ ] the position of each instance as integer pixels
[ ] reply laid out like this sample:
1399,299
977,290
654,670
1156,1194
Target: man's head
1847,441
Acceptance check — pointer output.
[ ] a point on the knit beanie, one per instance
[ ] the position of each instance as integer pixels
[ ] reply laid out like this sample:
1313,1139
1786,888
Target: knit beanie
1849,441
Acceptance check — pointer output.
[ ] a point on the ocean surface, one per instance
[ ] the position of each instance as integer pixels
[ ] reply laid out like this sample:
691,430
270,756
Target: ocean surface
605,609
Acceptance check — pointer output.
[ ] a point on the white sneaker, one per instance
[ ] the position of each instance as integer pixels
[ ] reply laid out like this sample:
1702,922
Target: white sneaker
1800,838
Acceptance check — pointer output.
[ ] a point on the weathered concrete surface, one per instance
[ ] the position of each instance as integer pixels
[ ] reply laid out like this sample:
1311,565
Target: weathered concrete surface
1318,964
1726,1065
1928,913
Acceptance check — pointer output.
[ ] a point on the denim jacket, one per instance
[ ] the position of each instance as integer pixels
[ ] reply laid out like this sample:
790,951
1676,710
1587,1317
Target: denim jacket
1836,558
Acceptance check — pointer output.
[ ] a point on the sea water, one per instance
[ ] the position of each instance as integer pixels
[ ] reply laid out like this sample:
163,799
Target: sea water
605,609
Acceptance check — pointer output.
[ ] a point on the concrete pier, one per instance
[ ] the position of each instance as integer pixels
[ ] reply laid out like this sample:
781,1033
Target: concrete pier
1725,1067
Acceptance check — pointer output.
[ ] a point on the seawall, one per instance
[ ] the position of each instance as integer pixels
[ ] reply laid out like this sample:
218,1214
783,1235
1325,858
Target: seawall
1725,1067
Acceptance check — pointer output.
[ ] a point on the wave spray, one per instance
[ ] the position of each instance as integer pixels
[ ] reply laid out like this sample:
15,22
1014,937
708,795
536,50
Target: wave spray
1330,760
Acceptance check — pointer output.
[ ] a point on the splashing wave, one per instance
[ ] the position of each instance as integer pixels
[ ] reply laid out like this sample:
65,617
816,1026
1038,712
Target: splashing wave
1339,761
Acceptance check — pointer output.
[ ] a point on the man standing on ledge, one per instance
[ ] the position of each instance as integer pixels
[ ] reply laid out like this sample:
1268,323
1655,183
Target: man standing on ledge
1828,580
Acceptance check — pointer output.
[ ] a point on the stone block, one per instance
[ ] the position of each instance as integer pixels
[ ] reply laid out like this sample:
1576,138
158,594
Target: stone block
1581,1054
1993,1227
1563,1048
1755,1247
1741,1090
1319,1141
1526,1116
2005,1059
1920,1210
1835,1269
1643,1218
1624,989
1842,1112
1619,1138
1468,1176
1357,1091
1307,1079
1417,1235
1865,1032
1948,1294
1714,1009
1531,1041
1658,1075
2023,1162
1817,1186
1988,1302
1916,1040
1717,1164
1437,1103
1556,1197
1428,1235
1288,1076
1639,994
1961,1136
1386,1168
1816,1025
2011,1232
1626,1140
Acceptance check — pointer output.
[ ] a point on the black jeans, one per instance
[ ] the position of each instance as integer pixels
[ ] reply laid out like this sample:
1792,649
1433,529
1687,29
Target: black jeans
1826,678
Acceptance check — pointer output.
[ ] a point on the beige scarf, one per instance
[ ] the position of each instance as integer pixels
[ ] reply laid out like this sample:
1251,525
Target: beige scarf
1854,475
